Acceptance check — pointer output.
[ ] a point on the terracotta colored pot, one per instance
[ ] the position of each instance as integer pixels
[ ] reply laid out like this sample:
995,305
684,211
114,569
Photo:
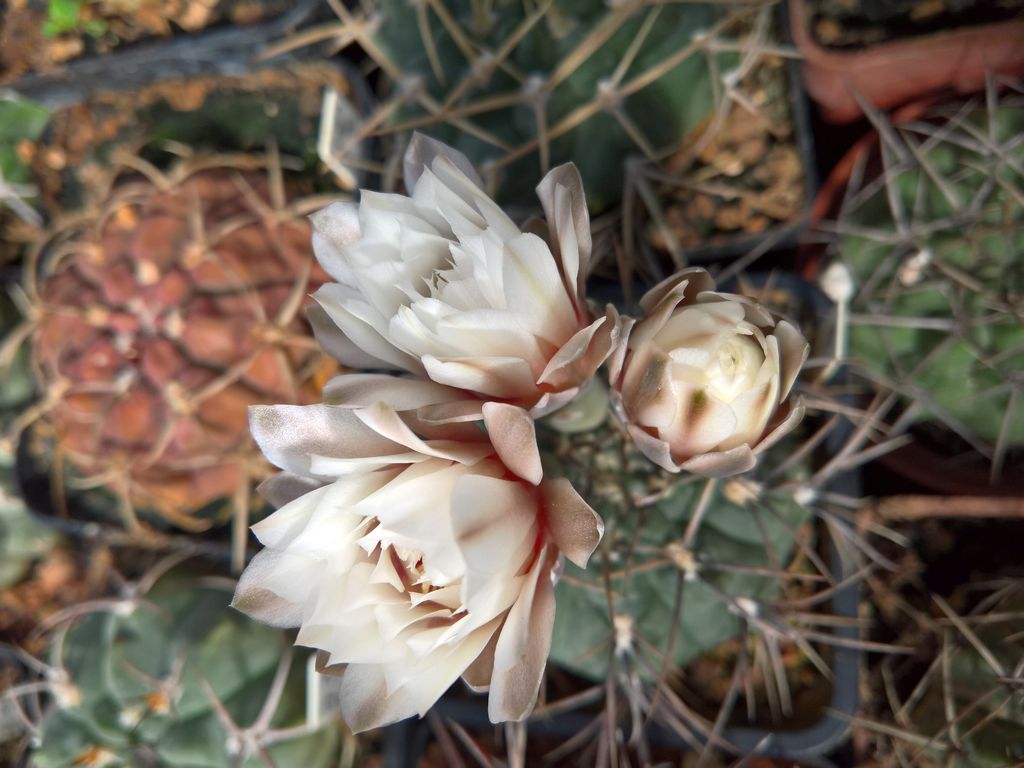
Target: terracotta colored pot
893,73
921,464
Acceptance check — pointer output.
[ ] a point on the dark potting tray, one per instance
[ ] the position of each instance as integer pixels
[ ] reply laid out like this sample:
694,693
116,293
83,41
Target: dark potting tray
229,51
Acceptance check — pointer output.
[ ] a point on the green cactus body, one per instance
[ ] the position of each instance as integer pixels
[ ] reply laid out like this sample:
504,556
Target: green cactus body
143,682
21,124
935,246
745,524
661,96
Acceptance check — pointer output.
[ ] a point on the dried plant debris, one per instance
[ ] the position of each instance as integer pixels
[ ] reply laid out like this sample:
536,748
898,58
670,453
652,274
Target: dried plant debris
742,179
862,23
279,106
41,36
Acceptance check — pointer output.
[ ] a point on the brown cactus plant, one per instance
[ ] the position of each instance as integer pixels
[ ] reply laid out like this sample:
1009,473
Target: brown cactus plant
159,317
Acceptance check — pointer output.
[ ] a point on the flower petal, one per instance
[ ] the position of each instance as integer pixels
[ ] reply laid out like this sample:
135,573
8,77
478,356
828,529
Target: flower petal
514,437
521,652
650,398
385,421
422,152
697,280
359,390
332,297
478,674
581,356
702,423
335,343
550,402
565,207
288,435
502,377
721,463
574,527
793,350
533,288
617,357
654,448
784,427
254,599
334,228
495,525
367,702
285,487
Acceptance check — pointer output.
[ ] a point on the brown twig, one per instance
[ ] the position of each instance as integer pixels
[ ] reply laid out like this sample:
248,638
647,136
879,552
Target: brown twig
922,507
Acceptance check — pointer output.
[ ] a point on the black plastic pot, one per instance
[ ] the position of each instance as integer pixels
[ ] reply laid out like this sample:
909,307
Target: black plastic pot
231,51
201,60
781,236
810,746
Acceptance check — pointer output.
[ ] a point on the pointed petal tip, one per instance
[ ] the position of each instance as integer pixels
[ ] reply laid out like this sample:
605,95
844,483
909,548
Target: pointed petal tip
574,526
514,438
421,153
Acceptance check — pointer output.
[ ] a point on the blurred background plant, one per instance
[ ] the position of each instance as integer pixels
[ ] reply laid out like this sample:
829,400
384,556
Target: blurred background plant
931,226
63,16
155,320
21,123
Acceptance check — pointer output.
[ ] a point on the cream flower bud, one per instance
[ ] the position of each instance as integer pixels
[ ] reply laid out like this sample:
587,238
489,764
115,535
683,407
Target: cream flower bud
443,284
412,550
702,380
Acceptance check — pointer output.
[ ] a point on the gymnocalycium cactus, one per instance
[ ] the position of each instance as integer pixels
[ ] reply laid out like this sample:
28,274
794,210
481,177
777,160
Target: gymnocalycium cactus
933,241
731,543
691,568
171,676
519,86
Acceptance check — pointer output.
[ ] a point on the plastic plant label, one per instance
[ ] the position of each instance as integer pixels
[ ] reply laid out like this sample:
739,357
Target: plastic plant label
323,695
